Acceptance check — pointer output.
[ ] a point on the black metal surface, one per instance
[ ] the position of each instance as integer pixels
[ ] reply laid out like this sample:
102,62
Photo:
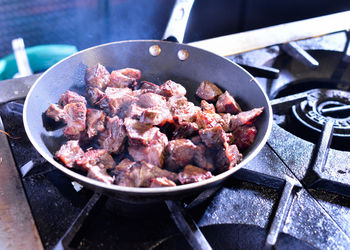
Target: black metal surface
295,51
69,74
238,216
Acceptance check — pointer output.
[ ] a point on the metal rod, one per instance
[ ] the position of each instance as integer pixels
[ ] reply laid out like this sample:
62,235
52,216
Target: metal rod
281,212
187,227
67,238
295,51
335,109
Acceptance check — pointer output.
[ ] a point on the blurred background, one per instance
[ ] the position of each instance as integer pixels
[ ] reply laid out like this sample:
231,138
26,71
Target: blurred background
84,23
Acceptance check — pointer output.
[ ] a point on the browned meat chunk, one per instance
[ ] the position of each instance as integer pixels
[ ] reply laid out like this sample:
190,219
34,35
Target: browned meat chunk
149,100
162,182
203,158
245,118
207,118
182,109
96,157
139,133
157,116
244,136
171,88
133,111
75,118
185,129
114,136
179,153
152,87
70,97
114,100
207,107
94,95
141,174
225,121
208,91
227,104
100,174
69,153
95,120
152,153
193,174
55,112
123,78
97,77
214,137
228,157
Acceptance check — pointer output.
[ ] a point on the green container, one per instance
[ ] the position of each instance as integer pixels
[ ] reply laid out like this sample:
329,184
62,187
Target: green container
41,57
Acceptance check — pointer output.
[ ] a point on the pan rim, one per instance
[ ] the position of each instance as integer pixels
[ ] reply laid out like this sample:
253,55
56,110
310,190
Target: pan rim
142,190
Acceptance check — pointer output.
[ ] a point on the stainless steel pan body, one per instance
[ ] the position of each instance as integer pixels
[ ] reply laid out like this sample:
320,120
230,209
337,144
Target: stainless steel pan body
200,65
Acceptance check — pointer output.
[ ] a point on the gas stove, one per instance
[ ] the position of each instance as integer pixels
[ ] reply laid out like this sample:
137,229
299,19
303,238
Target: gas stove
294,193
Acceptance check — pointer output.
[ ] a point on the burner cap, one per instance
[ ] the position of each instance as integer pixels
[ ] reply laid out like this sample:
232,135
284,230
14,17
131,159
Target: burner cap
324,104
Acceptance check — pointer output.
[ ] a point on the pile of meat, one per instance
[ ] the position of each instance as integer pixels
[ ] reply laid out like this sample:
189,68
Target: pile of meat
140,134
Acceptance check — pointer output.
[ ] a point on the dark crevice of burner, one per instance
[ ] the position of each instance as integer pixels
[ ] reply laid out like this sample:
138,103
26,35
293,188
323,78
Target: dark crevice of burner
187,226
295,51
343,62
67,241
279,215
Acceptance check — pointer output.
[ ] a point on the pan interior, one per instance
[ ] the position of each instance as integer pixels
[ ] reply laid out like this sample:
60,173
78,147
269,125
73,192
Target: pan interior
200,65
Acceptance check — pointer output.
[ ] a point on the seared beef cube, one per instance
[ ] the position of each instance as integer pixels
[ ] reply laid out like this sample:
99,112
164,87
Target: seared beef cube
207,107
225,121
228,157
132,111
97,77
157,116
152,153
245,118
203,158
208,91
114,136
185,129
100,174
131,72
214,137
69,153
244,136
196,140
139,133
124,78
162,182
227,104
115,99
140,174
179,153
124,165
193,174
152,87
182,109
171,88
75,118
55,112
70,97
94,95
149,100
96,157
95,120
207,119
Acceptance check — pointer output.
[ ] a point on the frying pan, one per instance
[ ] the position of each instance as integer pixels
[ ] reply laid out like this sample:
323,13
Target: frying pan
179,62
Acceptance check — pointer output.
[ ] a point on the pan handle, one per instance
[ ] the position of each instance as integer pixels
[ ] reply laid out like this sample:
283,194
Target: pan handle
175,30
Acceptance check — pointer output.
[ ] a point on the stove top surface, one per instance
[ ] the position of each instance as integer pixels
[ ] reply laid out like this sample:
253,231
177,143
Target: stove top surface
294,193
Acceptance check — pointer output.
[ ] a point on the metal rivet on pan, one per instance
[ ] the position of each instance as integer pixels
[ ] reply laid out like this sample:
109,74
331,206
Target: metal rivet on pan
182,54
155,50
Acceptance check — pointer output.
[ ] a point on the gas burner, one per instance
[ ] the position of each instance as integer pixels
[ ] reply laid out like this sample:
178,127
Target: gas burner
324,104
